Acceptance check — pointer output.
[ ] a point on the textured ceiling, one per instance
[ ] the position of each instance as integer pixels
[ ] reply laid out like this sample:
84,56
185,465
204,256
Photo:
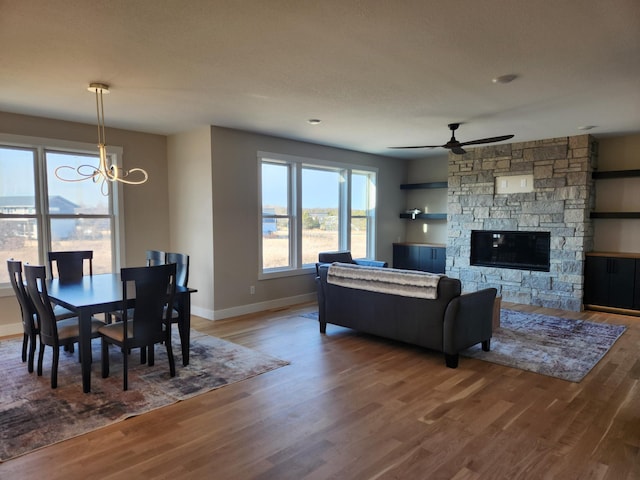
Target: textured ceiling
377,73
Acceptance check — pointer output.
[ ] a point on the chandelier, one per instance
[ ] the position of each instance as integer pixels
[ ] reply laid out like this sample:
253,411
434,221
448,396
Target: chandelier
105,173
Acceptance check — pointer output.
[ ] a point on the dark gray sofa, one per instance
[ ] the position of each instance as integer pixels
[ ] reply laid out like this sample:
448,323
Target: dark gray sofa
450,323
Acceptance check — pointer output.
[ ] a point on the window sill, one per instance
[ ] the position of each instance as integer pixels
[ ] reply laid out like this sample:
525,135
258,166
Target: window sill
306,270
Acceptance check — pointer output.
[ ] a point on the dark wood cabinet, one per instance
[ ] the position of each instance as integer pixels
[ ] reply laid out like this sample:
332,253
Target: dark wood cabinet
612,281
413,256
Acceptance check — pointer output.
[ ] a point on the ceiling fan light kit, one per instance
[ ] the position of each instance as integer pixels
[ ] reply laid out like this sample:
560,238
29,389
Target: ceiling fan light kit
456,147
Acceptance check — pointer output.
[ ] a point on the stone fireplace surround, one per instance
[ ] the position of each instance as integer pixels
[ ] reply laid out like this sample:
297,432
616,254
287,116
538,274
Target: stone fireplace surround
562,197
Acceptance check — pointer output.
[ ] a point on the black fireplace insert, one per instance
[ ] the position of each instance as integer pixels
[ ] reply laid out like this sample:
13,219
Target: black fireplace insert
510,249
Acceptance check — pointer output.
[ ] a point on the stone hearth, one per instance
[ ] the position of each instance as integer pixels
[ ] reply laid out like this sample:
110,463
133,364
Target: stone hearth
562,197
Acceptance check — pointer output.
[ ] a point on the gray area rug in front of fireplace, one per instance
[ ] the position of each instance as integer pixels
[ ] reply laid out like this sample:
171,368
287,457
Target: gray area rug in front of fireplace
553,346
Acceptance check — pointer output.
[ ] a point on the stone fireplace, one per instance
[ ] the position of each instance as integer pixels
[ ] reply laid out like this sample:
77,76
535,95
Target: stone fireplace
559,203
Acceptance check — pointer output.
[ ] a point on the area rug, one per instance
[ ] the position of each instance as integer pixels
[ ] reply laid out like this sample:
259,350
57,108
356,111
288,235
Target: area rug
557,347
32,415
553,346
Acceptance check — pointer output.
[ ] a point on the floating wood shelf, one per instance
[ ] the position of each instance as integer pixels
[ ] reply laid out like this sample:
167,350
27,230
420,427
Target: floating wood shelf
615,214
616,174
416,186
425,216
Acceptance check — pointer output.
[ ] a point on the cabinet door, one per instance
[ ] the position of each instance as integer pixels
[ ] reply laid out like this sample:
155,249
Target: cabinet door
426,259
439,259
610,282
405,257
596,281
622,275
432,259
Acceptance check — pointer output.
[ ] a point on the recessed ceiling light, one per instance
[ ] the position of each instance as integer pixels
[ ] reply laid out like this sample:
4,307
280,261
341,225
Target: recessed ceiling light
586,127
505,78
314,121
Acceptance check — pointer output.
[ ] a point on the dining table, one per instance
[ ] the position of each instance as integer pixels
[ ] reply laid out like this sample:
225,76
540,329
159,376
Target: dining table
102,293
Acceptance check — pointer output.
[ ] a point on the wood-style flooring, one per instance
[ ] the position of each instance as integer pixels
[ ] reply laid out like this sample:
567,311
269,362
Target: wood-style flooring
353,406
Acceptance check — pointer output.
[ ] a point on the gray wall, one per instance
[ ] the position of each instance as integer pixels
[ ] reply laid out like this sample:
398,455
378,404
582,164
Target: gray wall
236,211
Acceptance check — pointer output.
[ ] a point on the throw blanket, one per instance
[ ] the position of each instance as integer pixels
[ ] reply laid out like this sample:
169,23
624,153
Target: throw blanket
407,283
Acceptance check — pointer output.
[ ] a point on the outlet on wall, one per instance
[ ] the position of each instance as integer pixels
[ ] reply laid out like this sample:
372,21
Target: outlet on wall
252,290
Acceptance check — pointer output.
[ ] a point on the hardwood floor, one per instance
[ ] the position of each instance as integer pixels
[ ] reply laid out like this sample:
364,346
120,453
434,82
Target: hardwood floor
351,406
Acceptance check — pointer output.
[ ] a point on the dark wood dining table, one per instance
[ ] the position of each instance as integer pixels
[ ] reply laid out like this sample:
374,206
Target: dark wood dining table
101,294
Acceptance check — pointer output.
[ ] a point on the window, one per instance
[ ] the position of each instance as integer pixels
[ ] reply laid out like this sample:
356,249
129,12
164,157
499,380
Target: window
310,206
40,213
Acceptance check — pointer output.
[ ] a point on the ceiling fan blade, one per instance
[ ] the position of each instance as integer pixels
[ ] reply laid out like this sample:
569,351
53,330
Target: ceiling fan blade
487,140
422,146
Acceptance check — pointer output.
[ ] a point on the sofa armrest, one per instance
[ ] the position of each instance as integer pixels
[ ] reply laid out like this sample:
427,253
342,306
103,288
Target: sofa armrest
371,263
469,320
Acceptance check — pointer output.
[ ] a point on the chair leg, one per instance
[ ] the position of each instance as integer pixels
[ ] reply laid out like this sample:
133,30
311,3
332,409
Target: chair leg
152,359
32,352
143,355
40,358
172,362
105,358
25,341
125,371
54,367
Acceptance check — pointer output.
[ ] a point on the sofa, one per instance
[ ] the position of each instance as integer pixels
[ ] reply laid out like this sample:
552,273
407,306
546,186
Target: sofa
344,256
442,319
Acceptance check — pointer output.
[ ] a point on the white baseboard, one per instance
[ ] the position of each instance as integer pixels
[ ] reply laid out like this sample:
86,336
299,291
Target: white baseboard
260,307
16,328
11,329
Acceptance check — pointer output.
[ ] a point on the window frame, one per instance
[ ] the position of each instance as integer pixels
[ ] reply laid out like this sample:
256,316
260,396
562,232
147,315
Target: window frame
39,146
296,165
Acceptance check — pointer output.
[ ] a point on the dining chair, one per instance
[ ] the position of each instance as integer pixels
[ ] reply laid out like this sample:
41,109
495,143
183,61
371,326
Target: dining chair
155,257
182,278
155,287
30,327
52,333
70,265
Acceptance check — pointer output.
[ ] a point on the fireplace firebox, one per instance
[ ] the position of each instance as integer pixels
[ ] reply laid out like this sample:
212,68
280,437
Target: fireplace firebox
511,249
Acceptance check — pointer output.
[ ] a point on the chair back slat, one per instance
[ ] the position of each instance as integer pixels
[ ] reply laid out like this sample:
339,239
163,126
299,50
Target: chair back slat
155,287
182,267
70,265
155,257
26,306
37,289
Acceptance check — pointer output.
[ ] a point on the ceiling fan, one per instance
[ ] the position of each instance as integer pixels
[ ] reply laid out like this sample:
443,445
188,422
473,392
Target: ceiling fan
456,147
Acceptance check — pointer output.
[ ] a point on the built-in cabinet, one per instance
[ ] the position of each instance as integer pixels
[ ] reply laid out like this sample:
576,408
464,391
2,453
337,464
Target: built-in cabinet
418,256
612,281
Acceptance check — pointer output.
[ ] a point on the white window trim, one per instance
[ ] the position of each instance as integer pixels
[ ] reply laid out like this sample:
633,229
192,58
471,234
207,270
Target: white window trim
296,207
42,144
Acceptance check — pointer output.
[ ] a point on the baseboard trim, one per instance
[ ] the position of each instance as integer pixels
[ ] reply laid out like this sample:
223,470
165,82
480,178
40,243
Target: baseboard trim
261,306
10,329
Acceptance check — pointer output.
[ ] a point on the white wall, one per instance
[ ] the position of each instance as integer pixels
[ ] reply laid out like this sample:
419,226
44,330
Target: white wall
191,211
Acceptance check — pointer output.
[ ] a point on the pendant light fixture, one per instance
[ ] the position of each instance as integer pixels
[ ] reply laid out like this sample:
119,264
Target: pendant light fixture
105,172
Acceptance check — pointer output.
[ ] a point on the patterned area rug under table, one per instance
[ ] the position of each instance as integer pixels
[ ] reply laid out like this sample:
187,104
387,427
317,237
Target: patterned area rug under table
32,415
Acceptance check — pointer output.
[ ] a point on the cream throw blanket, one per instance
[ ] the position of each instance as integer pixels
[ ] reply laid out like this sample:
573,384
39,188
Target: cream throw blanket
407,283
